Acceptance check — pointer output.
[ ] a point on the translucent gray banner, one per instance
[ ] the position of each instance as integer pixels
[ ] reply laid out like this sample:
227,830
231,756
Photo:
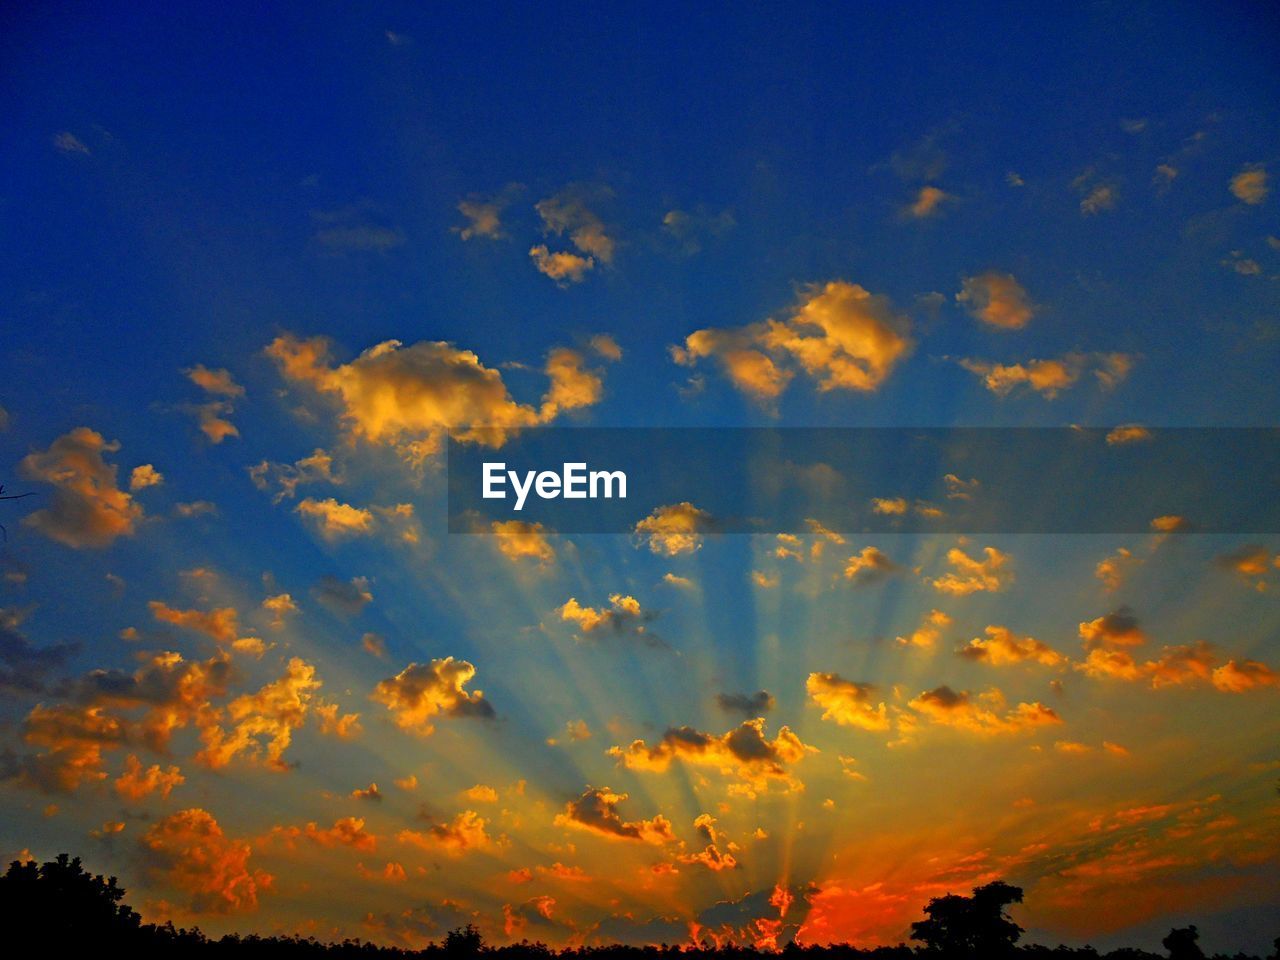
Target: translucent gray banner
869,480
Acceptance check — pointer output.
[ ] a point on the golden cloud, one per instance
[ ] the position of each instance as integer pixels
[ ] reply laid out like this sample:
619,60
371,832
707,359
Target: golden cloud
520,540
997,299
973,576
221,624
144,476
88,508
1049,377
135,783
421,692
597,811
410,397
869,565
464,832
1001,647
560,265
946,707
188,851
847,702
1250,185
744,752
839,334
262,723
345,832
926,635
674,529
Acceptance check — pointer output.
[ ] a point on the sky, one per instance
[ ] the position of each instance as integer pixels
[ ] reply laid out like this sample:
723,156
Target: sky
260,264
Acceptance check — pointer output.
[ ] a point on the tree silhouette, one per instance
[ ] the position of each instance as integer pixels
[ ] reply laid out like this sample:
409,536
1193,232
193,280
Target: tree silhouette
62,897
975,926
464,941
1182,943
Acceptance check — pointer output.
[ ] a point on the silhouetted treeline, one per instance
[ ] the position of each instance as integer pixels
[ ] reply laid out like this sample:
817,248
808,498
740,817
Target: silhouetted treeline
57,906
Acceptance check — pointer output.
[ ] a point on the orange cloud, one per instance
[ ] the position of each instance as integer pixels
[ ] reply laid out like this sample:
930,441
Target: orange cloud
744,752
520,540
221,624
409,397
262,723
188,851
946,707
839,334
997,299
596,811
421,692
88,509
135,783
1001,647
674,529
464,832
973,576
846,702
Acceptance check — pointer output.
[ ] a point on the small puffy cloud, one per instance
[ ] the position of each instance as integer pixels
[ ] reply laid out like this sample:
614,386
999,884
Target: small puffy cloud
88,509
839,334
1239,676
568,212
1170,523
344,726
188,852
136,783
944,706
421,692
481,793
68,142
1049,377
606,346
744,752
355,228
1113,569
869,565
218,382
926,635
484,215
847,702
144,476
997,299
317,467
370,793
346,832
374,645
561,266
1252,562
464,832
928,202
519,540
623,615
747,704
345,598
334,520
260,725
889,507
1120,628
1002,647
1128,433
410,397
1250,185
221,624
212,415
674,529
279,606
691,229
1099,197
597,811
968,575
